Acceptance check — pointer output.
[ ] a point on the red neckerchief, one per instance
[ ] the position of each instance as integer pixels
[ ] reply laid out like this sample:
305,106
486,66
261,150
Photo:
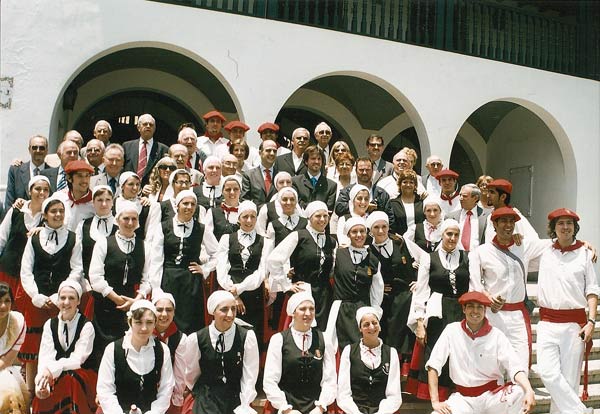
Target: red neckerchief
484,330
500,245
162,337
570,248
85,199
449,198
228,209
214,137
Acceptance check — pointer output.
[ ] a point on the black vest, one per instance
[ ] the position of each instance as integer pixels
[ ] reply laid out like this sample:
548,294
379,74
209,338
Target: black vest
62,353
353,282
306,260
421,241
368,385
221,224
10,260
119,265
140,232
205,201
281,232
133,388
397,270
439,276
191,245
87,244
301,374
50,270
238,271
271,213
166,210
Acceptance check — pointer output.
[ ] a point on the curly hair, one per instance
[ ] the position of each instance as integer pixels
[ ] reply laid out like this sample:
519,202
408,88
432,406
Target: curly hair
155,181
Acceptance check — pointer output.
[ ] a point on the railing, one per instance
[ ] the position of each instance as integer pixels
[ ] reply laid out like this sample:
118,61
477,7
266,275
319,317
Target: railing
479,28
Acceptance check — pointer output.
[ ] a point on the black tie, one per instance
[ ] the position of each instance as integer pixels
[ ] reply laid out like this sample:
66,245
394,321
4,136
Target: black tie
105,222
357,256
53,236
211,195
113,185
36,171
220,348
184,227
382,247
66,331
247,235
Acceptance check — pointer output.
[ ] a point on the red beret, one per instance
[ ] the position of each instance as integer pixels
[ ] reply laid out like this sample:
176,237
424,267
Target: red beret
268,125
562,212
236,124
213,114
502,184
78,165
477,297
505,212
447,173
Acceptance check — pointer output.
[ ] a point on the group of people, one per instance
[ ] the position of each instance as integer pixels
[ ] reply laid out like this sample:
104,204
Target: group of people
183,279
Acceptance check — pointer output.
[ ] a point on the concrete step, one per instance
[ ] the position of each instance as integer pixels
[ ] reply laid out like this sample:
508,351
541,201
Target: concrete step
593,374
542,399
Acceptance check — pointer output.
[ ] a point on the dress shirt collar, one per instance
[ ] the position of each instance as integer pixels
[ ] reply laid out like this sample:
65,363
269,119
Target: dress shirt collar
150,142
214,332
319,238
127,346
357,254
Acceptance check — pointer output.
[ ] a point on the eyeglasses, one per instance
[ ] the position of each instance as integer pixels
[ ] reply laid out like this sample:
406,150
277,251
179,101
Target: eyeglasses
375,144
435,164
167,167
323,132
38,147
302,138
182,183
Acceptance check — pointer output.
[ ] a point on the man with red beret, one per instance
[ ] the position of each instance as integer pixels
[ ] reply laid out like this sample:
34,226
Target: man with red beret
237,134
499,191
213,136
498,268
448,180
479,355
567,285
270,131
77,197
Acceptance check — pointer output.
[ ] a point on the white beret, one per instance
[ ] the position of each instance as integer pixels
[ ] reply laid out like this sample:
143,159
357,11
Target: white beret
376,216
280,175
141,304
126,176
284,190
446,224
73,284
178,171
432,199
353,221
217,298
365,310
53,197
297,298
231,178
183,194
124,206
35,179
160,294
246,205
315,206
101,187
356,189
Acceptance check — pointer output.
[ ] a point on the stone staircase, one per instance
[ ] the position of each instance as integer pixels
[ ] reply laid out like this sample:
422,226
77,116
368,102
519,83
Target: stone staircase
412,405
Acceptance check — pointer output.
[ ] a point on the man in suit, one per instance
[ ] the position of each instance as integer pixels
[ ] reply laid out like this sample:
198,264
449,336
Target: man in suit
323,136
256,180
67,151
94,154
53,160
179,153
102,132
113,160
382,168
434,165
293,162
188,137
313,185
380,199
19,176
471,217
143,153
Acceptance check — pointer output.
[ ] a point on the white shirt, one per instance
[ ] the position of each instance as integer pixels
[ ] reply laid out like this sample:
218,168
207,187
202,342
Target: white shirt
16,324
250,363
30,221
566,279
98,228
250,282
449,208
141,363
297,161
217,148
372,359
97,271
74,213
51,247
433,186
522,227
273,371
390,185
208,221
474,237
81,352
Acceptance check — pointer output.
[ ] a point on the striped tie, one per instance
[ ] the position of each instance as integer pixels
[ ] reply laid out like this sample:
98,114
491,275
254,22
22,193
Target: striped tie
143,160
62,182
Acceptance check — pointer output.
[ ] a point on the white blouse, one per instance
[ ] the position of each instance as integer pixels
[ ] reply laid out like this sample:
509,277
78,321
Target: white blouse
252,281
30,220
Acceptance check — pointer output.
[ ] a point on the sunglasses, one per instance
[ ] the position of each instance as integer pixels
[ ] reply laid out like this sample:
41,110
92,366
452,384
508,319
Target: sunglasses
167,167
38,147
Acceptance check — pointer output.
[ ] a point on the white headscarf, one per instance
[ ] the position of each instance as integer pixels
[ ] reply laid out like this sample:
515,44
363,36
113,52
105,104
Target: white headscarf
366,310
297,298
217,298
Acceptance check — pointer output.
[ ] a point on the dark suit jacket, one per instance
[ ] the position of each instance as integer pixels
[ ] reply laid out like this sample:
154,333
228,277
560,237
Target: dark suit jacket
132,149
52,174
400,222
285,162
324,190
481,219
16,184
253,186
380,196
383,170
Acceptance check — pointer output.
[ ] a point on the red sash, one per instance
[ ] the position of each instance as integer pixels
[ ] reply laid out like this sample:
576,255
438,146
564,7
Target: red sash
579,317
477,391
520,306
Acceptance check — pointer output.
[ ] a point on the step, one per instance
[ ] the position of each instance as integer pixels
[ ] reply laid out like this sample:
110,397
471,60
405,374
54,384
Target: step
593,374
542,399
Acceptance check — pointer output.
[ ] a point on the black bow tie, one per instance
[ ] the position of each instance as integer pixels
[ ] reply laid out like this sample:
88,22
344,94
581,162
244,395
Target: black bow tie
53,237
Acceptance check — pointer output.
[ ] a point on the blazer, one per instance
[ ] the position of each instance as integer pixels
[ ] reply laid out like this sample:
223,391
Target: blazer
132,149
52,174
382,170
481,219
380,196
253,186
102,179
285,162
324,191
400,222
16,184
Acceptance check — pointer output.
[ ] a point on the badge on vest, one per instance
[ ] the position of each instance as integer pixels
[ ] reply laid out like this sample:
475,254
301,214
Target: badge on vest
318,355
386,368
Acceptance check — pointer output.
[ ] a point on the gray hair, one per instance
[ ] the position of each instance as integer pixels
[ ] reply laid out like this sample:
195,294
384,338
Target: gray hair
475,191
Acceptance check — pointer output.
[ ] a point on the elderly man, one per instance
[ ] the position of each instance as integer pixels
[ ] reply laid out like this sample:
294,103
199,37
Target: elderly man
402,161
479,356
448,180
187,136
67,151
94,155
213,138
434,165
313,185
143,153
103,132
19,175
180,154
382,168
471,217
54,160
257,183
293,162
113,160
323,137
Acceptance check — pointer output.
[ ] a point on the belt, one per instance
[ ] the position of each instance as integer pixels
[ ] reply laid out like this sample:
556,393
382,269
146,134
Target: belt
477,391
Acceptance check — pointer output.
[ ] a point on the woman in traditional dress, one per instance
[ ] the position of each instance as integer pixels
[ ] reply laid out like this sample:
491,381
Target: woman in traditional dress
369,375
270,211
222,361
358,203
407,207
136,370
427,234
300,366
129,182
223,219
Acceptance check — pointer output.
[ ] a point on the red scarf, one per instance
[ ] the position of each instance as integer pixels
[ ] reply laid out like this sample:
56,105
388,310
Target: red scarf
214,137
449,198
570,248
484,330
228,209
162,337
500,245
85,199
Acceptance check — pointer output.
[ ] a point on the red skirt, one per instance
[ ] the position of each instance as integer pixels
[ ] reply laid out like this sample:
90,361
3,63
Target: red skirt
72,392
35,319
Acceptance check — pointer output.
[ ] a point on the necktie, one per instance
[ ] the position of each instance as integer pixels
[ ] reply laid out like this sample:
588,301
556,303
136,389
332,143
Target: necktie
52,237
220,348
188,164
66,331
268,180
95,170
211,195
304,343
112,183
184,227
143,160
357,257
289,223
466,232
247,235
387,253
313,181
430,230
36,171
62,182
105,222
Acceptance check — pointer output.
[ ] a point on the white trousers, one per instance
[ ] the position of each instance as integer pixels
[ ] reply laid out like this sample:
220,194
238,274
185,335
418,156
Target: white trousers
559,358
506,401
512,324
